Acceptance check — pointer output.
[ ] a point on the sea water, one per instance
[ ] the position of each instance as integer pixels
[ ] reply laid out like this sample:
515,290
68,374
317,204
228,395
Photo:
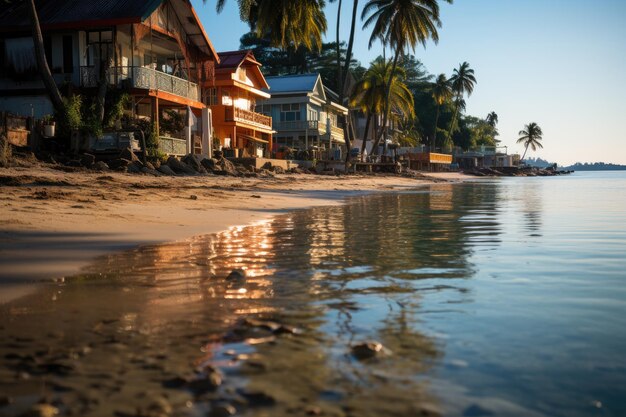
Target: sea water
501,297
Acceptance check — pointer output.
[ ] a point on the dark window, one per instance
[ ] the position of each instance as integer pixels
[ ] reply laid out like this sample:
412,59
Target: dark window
68,54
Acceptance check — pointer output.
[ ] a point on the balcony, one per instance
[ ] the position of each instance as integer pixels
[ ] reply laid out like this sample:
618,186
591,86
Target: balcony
297,125
142,77
235,114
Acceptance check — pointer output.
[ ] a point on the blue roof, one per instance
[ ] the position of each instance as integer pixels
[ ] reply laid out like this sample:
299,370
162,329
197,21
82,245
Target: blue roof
292,83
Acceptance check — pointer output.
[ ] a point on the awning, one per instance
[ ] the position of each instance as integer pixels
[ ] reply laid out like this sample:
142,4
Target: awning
252,138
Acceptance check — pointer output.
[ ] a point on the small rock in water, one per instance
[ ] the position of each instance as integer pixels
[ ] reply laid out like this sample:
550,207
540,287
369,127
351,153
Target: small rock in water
42,410
193,197
236,274
222,410
257,398
210,380
367,350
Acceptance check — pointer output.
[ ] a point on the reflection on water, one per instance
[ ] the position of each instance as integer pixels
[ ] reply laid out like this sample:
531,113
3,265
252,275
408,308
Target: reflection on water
434,276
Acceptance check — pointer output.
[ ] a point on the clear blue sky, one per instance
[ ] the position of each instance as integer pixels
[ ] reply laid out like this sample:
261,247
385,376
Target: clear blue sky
559,63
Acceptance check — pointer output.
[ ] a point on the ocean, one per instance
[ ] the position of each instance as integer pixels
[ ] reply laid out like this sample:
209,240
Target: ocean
494,297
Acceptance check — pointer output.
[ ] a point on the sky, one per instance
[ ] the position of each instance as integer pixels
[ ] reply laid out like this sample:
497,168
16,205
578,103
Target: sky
558,63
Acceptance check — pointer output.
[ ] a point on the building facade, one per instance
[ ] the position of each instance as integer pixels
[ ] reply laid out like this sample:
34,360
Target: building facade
239,130
156,51
304,115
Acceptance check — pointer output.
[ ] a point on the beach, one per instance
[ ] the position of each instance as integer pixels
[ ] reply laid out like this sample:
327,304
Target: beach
55,222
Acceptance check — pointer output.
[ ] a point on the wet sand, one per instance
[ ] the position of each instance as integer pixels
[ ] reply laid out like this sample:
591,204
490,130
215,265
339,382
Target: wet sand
53,223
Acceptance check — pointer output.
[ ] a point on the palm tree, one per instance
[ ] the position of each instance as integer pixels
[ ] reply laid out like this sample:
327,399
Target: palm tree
492,119
530,136
401,24
463,81
370,94
42,63
285,23
441,92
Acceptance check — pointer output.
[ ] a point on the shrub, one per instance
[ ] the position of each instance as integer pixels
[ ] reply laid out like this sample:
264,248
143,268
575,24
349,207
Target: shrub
6,152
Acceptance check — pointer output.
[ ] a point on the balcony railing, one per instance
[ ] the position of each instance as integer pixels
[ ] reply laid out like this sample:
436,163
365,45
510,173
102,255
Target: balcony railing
337,132
142,77
172,146
297,125
240,115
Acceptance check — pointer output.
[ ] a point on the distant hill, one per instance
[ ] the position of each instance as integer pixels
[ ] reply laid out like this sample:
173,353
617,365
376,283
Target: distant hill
538,162
596,166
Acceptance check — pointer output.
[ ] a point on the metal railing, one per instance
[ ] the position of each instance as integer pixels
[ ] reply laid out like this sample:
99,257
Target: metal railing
172,146
297,125
236,114
142,77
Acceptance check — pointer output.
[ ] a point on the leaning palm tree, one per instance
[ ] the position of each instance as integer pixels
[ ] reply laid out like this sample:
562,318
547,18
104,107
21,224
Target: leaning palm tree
285,23
463,81
370,95
530,136
401,24
441,92
492,119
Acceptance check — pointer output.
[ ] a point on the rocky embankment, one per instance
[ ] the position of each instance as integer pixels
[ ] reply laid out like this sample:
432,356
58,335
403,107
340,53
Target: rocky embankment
515,172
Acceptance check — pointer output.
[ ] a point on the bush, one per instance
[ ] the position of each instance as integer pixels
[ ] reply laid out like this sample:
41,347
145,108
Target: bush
70,118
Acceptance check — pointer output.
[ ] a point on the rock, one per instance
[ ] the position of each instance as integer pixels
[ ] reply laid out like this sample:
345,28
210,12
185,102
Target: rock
87,160
135,167
193,162
42,410
228,166
100,166
149,171
193,197
278,170
257,398
222,410
149,165
367,350
118,163
210,164
160,407
74,163
236,274
210,380
180,167
166,170
267,165
220,172
129,155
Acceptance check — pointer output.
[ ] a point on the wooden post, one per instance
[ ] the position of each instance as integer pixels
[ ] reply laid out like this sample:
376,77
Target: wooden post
155,115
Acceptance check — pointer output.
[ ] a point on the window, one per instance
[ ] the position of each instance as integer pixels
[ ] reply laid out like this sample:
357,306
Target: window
312,115
68,54
226,99
212,97
290,112
265,109
99,47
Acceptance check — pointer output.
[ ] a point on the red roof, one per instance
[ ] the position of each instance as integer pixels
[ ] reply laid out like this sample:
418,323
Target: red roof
233,59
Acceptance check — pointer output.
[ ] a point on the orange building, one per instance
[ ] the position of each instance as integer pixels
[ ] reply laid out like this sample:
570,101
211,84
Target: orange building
240,131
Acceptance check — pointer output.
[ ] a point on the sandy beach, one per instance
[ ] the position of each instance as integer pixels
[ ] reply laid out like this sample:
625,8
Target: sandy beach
53,222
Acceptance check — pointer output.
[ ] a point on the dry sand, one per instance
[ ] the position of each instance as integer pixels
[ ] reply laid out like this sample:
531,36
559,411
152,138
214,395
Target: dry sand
52,223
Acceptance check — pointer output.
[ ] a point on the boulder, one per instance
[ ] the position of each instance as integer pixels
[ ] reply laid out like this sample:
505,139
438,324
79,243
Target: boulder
118,163
128,154
135,167
180,167
151,171
166,170
100,166
87,160
210,164
278,170
228,166
193,162
149,165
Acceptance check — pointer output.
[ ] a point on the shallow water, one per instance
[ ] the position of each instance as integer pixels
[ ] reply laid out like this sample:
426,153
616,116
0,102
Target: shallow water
501,297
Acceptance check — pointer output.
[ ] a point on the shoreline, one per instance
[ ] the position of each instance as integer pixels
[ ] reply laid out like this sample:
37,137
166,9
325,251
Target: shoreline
55,223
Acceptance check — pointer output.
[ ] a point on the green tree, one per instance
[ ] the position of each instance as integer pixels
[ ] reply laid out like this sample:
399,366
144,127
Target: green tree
531,136
492,119
401,24
370,94
441,92
463,81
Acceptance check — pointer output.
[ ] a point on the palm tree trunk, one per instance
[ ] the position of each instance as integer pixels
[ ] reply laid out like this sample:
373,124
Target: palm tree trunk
383,128
454,116
344,74
42,64
434,144
338,49
367,128
525,150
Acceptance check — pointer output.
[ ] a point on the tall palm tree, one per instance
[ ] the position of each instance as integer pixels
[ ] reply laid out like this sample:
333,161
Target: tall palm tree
401,24
370,94
530,136
42,63
441,92
463,81
492,119
285,23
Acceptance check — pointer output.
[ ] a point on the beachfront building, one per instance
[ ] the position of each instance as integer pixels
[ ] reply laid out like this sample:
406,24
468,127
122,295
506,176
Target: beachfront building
305,115
156,51
239,130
